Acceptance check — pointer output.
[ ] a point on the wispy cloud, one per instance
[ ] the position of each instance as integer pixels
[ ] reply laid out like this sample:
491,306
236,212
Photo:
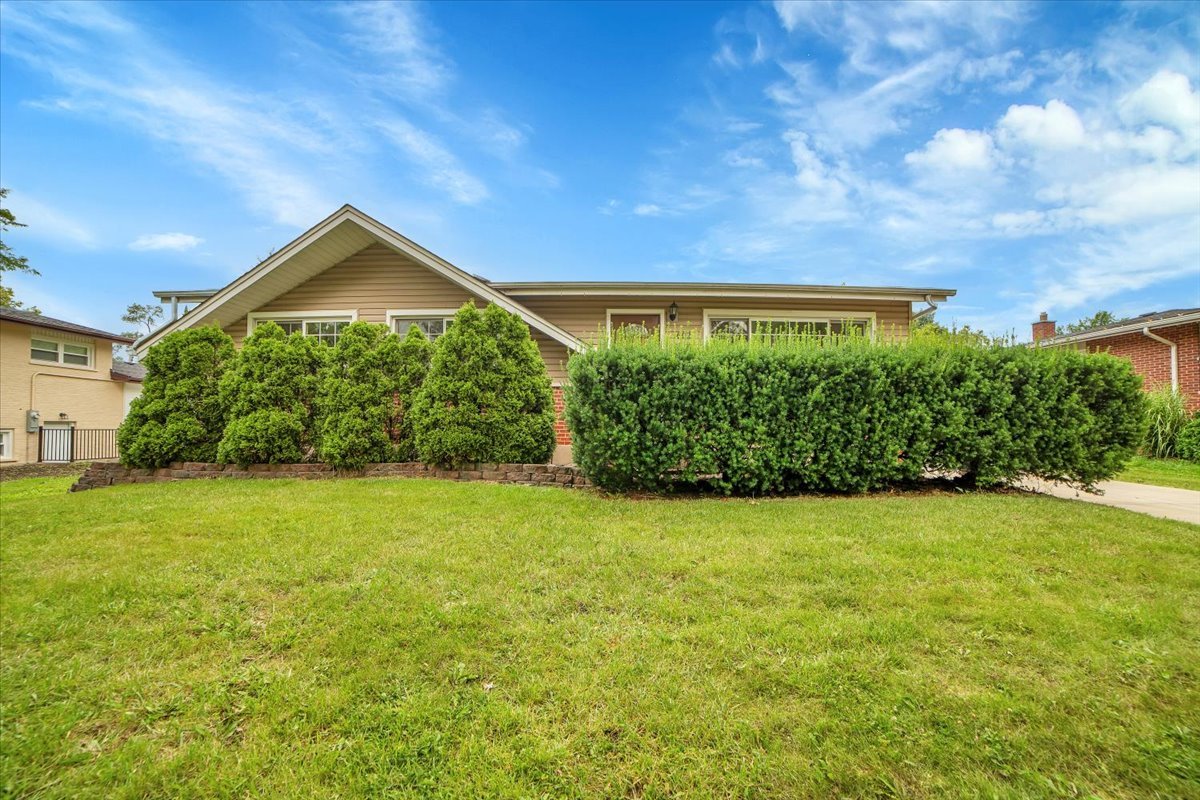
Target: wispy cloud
284,153
165,241
439,167
45,222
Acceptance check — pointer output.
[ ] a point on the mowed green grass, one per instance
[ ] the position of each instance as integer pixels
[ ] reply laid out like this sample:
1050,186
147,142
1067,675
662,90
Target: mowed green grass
1163,472
418,638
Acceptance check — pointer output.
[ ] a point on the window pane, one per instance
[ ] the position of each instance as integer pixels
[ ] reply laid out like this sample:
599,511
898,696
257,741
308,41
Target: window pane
856,327
6,444
325,331
290,326
729,328
42,350
76,354
432,327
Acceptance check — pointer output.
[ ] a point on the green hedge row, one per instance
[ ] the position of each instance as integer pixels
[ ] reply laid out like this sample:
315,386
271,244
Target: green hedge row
849,417
479,394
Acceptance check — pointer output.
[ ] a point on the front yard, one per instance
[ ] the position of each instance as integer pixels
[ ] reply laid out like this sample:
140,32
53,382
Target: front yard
1173,472
420,638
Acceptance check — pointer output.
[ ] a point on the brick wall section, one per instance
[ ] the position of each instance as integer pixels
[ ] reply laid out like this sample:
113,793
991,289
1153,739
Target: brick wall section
112,474
562,434
1152,360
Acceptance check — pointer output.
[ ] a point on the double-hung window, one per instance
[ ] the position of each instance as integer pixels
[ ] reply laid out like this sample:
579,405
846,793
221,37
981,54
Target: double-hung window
6,445
778,326
54,352
325,327
431,323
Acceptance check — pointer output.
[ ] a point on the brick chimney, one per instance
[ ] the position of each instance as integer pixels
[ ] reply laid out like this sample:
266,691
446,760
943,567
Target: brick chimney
1043,328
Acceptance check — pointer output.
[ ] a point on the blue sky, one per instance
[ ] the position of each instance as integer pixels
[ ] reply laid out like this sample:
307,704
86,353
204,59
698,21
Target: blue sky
1032,156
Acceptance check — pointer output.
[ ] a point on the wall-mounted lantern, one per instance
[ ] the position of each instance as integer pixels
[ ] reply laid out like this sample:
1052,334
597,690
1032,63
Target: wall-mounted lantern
672,312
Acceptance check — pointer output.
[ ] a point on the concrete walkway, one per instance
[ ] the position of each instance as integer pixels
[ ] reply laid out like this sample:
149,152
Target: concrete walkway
1157,501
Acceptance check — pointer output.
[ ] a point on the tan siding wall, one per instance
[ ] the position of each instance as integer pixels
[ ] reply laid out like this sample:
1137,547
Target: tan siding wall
88,396
371,282
377,279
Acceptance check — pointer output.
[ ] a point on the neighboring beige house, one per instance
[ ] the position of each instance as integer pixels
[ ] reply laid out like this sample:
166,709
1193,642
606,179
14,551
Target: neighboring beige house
60,389
352,267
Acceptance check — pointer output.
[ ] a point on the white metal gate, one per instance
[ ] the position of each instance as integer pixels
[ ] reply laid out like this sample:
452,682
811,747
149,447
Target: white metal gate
55,442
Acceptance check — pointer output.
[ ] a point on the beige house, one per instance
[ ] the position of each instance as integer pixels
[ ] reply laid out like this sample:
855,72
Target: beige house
351,267
61,394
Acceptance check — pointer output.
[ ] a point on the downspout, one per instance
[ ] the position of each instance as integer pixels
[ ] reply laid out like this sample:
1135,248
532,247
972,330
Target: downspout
1174,356
924,312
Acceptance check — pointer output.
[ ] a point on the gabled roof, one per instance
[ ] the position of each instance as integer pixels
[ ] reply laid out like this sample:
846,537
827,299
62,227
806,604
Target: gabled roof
1155,319
42,321
338,236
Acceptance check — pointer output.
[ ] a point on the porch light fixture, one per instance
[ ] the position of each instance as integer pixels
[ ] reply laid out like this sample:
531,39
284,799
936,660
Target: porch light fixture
672,312
62,415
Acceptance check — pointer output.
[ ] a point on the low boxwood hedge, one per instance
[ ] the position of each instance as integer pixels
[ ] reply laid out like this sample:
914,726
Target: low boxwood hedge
751,418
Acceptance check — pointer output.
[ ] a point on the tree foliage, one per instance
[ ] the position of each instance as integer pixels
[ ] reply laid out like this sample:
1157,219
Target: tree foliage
10,261
1096,320
179,415
268,396
366,390
142,315
487,397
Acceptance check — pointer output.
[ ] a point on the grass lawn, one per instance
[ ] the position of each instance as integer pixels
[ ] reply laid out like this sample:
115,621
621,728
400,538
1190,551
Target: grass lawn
1163,472
415,638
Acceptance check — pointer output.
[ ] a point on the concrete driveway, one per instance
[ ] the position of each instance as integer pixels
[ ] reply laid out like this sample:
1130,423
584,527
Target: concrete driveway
1157,501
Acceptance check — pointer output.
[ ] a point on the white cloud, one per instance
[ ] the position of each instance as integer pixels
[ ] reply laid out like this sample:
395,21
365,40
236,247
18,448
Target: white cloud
440,167
165,241
955,149
397,35
1055,126
648,210
1166,98
43,222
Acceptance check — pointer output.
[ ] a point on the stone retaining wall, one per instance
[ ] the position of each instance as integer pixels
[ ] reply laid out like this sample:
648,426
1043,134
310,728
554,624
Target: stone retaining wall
112,474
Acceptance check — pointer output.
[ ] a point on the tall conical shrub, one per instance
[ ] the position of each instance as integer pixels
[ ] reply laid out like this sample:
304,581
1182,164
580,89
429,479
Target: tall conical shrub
487,397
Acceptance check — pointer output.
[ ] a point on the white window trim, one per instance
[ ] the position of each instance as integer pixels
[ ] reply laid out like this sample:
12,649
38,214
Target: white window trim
806,315
10,435
255,317
91,351
662,319
393,314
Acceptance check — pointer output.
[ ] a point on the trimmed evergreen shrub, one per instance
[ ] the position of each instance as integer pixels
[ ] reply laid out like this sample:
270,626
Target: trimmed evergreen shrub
1187,444
487,397
1167,415
179,415
367,387
749,419
268,396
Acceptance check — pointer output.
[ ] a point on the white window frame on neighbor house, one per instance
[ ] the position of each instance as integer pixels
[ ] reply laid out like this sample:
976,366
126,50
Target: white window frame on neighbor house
303,317
775,315
659,312
7,442
60,352
446,315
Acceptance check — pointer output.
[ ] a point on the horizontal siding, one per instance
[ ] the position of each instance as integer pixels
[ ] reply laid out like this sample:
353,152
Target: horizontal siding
585,316
370,282
377,279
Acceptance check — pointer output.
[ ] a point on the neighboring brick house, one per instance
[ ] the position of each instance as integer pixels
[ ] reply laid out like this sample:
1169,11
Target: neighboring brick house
1164,347
62,395
352,267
